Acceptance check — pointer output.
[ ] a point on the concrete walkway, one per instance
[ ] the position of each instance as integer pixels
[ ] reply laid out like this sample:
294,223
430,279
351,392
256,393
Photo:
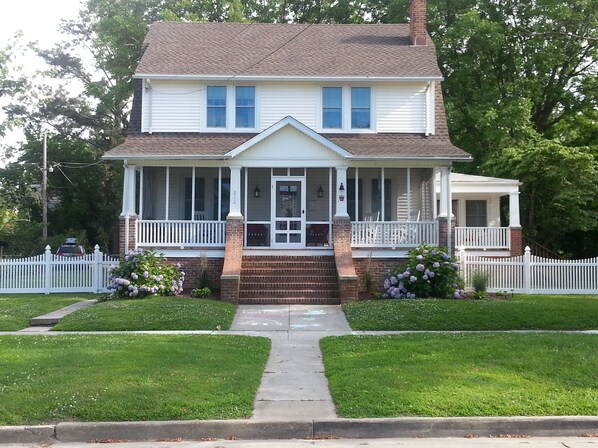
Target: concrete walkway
293,387
45,322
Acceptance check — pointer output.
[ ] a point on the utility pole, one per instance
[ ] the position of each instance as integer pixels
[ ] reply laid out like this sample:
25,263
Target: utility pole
45,189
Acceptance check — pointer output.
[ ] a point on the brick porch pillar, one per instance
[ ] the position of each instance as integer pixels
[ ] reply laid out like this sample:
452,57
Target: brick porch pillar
443,238
127,238
516,241
348,281
233,255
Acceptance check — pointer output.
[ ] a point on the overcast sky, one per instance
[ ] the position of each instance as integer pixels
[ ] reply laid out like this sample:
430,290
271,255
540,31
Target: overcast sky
38,19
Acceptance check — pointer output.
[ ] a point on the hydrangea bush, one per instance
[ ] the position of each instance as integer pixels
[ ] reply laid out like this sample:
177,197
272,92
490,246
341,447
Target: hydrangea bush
142,273
430,272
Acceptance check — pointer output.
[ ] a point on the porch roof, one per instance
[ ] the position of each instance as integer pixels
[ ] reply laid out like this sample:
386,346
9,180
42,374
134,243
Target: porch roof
177,146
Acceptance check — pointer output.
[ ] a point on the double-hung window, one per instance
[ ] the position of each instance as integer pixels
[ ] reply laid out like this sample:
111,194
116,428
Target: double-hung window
216,116
332,107
245,107
360,107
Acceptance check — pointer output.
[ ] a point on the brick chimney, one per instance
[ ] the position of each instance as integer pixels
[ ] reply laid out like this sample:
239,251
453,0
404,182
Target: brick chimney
417,22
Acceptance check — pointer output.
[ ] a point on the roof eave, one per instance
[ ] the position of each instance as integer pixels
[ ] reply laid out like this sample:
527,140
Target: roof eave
165,157
233,77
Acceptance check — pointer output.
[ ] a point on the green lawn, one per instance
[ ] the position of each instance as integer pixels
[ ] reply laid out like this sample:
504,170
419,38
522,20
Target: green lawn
519,313
482,374
152,313
16,310
45,379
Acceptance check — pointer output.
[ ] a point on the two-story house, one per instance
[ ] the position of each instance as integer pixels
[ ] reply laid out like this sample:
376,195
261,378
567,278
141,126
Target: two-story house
312,149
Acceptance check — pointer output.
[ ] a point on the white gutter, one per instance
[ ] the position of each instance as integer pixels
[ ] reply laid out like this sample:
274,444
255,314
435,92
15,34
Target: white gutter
232,77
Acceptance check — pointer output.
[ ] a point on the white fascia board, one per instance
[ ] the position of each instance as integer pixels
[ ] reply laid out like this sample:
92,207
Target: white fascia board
413,158
288,78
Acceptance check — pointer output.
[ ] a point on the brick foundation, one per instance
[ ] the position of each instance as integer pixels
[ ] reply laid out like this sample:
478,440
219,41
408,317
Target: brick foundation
192,269
378,268
233,257
122,228
348,281
516,241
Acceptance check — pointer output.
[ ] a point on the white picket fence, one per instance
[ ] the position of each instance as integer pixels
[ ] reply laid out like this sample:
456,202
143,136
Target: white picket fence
48,273
531,274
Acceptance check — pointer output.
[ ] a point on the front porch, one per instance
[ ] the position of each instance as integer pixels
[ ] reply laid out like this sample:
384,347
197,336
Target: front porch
183,208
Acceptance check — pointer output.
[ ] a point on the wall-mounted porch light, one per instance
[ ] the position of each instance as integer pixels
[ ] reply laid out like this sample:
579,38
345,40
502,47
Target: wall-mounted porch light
320,192
341,192
256,192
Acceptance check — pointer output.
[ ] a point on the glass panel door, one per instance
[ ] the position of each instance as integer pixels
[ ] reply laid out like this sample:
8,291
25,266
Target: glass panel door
288,204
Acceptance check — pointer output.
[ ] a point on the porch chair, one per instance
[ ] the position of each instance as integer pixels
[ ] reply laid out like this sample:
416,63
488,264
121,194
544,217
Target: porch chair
257,235
200,216
372,230
317,234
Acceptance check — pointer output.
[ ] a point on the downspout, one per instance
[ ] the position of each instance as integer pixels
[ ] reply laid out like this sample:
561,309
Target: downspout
450,209
148,92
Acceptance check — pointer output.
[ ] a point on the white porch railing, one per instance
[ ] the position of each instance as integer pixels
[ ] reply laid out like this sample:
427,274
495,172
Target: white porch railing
532,275
393,233
181,233
483,237
48,273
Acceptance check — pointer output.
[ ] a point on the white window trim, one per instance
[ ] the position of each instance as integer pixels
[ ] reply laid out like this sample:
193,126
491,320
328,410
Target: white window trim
230,109
346,111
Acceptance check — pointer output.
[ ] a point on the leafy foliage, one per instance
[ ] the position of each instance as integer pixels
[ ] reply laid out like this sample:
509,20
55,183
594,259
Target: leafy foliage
142,273
430,272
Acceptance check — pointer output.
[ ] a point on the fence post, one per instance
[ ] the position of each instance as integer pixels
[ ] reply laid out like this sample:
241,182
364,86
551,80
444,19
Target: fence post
97,258
47,270
462,263
527,270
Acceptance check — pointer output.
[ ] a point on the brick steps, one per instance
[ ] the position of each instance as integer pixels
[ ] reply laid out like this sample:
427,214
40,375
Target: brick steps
288,280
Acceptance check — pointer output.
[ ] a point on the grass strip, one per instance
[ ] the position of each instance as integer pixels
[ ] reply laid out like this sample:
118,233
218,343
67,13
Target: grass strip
522,312
45,379
16,310
479,374
152,313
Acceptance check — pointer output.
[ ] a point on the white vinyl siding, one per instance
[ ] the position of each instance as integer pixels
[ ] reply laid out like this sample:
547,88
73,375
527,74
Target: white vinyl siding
297,100
172,106
180,106
401,108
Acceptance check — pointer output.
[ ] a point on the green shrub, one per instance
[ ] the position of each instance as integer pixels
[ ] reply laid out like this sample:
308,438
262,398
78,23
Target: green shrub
201,293
430,272
479,281
142,273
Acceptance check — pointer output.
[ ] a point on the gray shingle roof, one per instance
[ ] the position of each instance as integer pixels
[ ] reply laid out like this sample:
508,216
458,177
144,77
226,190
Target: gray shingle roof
189,145
298,50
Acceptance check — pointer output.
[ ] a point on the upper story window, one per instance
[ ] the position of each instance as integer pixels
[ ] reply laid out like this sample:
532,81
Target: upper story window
360,107
245,107
332,107
216,116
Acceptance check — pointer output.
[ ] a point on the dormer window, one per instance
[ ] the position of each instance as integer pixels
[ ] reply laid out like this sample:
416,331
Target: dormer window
360,107
332,107
216,117
245,107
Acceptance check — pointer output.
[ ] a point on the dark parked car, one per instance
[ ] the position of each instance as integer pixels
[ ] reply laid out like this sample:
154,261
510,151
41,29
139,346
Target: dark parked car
70,249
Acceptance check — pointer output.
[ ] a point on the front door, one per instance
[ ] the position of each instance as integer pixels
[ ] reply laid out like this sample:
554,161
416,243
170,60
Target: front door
288,212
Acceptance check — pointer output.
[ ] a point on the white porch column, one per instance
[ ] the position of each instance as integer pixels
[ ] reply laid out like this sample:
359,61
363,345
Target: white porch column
341,191
235,192
445,193
514,221
129,191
